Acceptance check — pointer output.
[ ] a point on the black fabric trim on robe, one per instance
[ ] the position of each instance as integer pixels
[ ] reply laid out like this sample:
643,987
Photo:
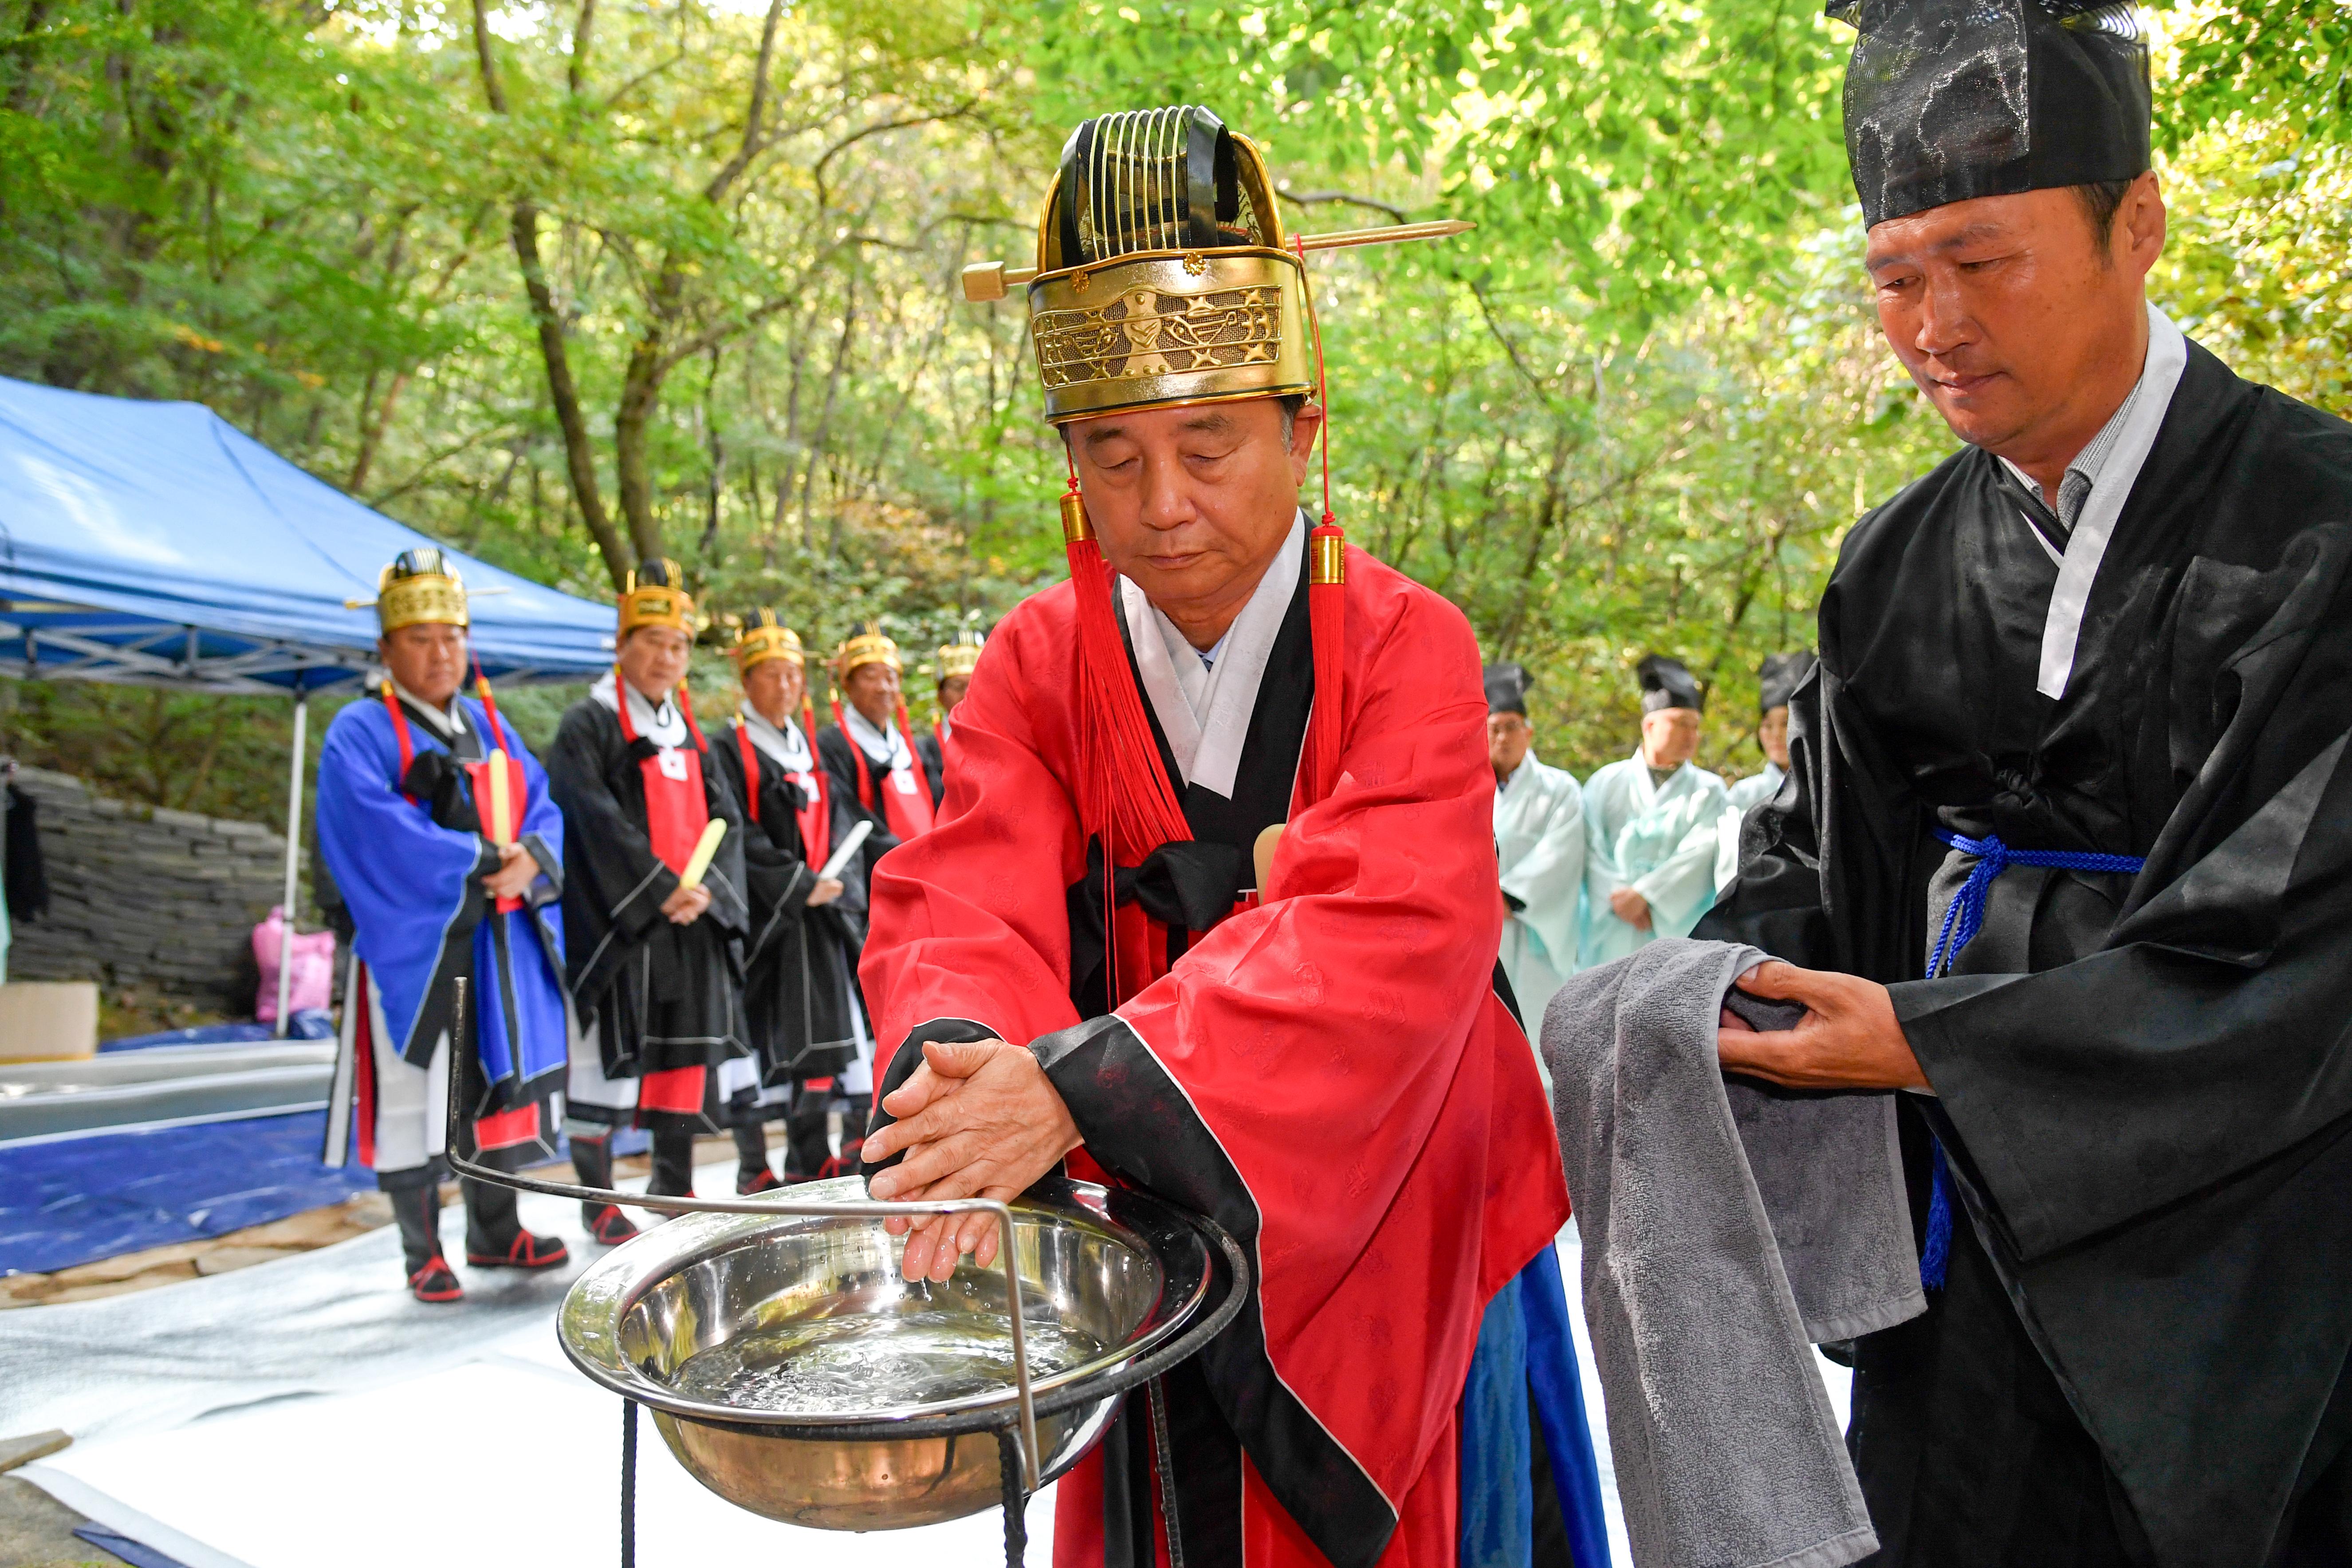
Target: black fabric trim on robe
796,995
2148,1097
1208,1476
1138,1124
1187,876
934,758
833,755
438,784
662,995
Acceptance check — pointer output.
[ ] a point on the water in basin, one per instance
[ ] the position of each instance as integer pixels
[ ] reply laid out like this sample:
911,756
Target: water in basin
875,1360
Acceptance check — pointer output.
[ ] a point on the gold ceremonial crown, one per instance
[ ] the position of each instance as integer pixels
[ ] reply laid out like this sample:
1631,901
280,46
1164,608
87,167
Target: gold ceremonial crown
418,588
653,598
961,656
868,646
764,637
1162,276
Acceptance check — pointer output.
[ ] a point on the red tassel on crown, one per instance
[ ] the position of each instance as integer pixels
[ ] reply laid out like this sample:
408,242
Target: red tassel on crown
1327,593
1125,796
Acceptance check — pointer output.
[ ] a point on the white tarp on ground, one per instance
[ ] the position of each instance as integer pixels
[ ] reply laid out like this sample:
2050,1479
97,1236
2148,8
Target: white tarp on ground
297,1412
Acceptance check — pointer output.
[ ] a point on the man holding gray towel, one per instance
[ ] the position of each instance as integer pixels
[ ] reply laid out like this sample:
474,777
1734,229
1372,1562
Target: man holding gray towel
2069,852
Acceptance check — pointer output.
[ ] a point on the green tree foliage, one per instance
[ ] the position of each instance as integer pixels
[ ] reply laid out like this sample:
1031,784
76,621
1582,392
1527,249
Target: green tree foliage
566,282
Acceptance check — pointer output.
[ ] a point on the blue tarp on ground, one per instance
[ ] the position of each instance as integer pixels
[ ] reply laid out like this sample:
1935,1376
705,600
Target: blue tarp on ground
155,542
80,1199
312,1023
76,1200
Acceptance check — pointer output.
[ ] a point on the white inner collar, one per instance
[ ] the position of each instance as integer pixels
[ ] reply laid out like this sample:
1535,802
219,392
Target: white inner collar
664,726
453,716
784,744
1204,709
2062,628
880,745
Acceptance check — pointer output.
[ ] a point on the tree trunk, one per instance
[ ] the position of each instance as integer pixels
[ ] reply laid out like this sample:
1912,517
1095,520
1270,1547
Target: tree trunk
579,450
641,386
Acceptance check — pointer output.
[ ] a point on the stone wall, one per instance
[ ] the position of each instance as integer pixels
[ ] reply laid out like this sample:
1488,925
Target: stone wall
141,897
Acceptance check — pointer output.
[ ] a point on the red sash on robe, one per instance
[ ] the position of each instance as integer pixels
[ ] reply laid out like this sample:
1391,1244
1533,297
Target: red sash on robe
906,807
815,818
677,811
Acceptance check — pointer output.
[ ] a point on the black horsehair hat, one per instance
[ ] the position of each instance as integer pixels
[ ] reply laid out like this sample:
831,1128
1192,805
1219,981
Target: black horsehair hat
1668,683
1779,675
1946,100
1506,689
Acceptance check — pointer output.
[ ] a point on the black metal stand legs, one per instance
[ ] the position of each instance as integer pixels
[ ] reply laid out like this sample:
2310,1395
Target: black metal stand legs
628,1483
1016,1520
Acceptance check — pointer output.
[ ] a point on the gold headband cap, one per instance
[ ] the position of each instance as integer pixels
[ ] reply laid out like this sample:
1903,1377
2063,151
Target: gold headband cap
868,646
419,589
653,597
959,658
764,637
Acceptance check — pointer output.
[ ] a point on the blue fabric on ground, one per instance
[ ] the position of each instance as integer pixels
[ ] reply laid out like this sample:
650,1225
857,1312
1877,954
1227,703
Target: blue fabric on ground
1558,1394
76,1200
1497,1494
138,1554
312,1023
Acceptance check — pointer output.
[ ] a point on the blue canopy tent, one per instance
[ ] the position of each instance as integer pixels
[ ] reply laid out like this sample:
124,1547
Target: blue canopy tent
155,543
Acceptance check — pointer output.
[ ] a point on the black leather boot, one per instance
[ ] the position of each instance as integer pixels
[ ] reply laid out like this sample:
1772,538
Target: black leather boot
751,1172
806,1148
416,1209
673,1162
591,1161
495,1237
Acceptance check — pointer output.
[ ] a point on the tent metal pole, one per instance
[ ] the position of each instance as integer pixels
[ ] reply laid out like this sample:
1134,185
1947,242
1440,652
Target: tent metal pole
293,858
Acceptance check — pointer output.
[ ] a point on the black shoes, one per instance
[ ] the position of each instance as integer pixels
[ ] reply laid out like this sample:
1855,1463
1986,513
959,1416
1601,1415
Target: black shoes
435,1283
526,1251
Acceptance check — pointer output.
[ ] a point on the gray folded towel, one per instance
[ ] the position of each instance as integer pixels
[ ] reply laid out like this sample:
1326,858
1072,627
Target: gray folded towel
1725,1224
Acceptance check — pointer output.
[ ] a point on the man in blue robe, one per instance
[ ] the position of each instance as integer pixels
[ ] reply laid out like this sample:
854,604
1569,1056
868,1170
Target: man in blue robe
435,827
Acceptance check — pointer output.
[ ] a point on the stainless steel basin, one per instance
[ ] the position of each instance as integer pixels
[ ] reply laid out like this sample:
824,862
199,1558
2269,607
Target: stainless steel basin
1144,1282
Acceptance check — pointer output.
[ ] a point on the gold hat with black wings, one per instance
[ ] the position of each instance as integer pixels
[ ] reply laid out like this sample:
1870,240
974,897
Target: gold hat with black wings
1163,274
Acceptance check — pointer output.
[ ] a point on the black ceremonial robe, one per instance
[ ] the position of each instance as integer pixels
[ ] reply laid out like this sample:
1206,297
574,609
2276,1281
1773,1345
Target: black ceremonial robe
660,996
835,755
931,751
2145,1084
798,961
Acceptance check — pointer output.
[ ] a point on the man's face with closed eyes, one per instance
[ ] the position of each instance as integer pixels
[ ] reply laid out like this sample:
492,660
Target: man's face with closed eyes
1193,504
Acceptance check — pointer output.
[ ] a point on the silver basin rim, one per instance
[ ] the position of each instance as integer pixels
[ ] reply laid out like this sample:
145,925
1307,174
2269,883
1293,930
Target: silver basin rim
1219,1271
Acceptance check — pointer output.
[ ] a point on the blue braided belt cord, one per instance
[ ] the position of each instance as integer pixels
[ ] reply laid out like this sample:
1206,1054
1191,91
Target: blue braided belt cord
1961,923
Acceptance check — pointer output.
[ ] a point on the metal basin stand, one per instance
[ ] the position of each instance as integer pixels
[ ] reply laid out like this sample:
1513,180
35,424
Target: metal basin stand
1020,1460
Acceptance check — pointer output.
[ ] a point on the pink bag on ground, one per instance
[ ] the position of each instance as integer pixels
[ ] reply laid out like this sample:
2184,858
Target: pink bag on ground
313,963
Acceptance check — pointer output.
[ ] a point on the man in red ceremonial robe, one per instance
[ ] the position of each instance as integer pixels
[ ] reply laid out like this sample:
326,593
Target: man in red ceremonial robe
1290,1023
